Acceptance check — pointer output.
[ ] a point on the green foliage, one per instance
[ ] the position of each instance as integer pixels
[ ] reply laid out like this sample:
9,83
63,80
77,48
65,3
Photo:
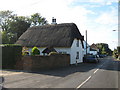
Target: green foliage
5,17
18,26
10,54
10,45
115,53
36,20
35,51
104,48
25,51
8,38
103,51
118,49
5,38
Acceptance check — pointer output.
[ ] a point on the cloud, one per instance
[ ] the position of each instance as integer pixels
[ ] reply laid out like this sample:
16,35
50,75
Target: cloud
109,2
98,2
109,17
59,9
106,18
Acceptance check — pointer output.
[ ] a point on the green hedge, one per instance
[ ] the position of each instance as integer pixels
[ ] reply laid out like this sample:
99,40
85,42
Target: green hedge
118,49
10,54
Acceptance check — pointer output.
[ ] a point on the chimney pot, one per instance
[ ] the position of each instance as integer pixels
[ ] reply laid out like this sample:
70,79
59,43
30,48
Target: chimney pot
53,21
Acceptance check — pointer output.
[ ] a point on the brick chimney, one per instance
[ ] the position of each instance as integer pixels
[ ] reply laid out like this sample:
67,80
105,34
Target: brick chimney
53,21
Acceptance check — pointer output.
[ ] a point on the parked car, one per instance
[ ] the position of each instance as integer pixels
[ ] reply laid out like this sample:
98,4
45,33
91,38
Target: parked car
102,55
91,59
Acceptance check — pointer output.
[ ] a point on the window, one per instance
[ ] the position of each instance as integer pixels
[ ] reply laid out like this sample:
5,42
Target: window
77,55
77,44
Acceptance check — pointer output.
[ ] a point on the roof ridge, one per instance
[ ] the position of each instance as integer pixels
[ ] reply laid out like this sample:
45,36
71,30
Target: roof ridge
50,25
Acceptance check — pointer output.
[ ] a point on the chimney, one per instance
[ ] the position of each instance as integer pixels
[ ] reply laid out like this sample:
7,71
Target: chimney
53,21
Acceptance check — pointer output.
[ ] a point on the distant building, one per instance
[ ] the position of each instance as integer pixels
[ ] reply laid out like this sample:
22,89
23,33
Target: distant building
93,49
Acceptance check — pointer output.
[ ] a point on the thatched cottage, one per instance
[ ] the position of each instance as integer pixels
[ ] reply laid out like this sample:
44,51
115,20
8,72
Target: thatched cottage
64,38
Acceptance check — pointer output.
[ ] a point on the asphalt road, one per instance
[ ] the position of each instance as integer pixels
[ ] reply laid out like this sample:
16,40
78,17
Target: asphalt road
85,75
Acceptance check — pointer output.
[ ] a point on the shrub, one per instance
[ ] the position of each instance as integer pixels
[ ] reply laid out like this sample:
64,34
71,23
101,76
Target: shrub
52,53
25,51
35,51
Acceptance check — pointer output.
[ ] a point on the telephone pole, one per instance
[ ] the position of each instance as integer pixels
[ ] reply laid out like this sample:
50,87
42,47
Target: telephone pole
86,41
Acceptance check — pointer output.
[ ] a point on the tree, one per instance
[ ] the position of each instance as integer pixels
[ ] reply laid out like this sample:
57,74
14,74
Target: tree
103,51
5,38
115,53
18,26
36,20
5,17
14,26
104,48
8,38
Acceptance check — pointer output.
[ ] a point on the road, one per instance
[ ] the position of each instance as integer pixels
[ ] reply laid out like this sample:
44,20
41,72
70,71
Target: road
85,75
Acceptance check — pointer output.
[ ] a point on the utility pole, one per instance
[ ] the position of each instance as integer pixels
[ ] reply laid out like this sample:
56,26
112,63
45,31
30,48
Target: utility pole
86,41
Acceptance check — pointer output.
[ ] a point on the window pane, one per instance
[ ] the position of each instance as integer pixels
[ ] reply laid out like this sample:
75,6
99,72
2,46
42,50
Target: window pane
77,55
77,44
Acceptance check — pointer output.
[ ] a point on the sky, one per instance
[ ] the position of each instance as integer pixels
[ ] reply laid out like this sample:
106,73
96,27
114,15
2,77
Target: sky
98,17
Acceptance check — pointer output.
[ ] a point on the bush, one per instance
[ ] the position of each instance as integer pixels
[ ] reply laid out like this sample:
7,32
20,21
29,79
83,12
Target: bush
35,51
52,53
25,51
10,54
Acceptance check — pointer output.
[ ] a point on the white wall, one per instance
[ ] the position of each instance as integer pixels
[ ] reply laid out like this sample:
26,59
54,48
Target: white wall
74,50
93,52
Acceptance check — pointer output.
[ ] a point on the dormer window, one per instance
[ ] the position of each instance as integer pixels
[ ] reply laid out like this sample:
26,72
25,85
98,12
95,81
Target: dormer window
77,43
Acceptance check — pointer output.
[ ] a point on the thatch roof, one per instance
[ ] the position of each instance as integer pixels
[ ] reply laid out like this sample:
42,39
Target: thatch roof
59,35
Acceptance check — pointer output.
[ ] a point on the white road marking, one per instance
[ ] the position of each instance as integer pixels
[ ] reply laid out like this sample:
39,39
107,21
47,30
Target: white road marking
90,76
83,82
96,71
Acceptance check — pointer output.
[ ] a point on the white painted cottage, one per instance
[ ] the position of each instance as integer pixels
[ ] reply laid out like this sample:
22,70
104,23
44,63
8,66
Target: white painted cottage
64,38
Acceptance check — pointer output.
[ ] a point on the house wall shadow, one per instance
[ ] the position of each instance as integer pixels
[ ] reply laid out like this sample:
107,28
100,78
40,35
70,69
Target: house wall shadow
64,71
111,65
